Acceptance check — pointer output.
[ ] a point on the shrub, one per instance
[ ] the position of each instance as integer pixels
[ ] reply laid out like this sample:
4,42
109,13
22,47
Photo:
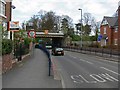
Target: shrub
6,46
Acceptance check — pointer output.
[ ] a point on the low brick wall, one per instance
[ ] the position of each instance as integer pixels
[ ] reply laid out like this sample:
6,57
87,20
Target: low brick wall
6,62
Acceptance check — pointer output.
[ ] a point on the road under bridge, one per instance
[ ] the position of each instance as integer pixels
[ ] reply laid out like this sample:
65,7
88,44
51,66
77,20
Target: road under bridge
57,38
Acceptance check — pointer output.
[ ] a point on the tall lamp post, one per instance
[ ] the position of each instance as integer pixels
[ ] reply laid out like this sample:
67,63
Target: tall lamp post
81,28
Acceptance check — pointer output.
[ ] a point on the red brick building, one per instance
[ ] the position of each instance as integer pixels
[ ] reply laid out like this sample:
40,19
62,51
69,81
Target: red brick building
110,31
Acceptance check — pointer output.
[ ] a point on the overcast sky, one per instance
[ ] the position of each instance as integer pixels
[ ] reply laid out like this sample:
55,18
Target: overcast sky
98,8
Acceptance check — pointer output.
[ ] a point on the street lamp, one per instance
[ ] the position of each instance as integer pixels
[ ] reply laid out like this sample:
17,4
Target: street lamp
81,27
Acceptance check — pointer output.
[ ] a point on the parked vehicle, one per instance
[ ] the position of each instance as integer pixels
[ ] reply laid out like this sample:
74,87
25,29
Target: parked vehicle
48,46
37,45
57,51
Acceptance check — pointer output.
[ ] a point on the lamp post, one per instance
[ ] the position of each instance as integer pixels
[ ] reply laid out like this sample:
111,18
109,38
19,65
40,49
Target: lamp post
81,28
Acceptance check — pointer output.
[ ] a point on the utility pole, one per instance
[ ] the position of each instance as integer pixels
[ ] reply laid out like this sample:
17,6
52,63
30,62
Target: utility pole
81,28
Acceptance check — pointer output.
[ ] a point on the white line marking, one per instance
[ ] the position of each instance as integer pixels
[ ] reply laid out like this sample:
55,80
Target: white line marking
89,62
102,58
86,61
81,60
72,56
110,70
97,78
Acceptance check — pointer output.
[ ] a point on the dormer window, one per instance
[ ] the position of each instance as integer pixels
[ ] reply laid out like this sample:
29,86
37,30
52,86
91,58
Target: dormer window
104,22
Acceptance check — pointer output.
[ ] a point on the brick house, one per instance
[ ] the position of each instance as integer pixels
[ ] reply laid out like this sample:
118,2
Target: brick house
5,16
109,31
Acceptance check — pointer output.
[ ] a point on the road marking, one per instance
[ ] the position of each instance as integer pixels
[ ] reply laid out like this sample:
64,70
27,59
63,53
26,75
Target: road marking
104,59
76,79
95,78
87,80
108,77
73,57
86,61
81,60
110,70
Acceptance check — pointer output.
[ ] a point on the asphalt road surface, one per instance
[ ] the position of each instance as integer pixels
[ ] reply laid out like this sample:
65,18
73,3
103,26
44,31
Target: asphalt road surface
78,70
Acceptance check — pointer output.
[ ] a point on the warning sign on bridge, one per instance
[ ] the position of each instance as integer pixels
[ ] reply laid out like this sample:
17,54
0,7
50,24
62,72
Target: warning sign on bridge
32,33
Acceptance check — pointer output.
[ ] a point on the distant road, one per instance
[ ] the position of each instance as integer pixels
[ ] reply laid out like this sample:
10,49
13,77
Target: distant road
78,70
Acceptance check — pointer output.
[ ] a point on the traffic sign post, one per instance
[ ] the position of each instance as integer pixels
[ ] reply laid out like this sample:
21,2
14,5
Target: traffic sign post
32,33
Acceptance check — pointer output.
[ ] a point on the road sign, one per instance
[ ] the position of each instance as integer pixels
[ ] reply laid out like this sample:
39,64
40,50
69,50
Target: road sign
99,37
13,26
32,33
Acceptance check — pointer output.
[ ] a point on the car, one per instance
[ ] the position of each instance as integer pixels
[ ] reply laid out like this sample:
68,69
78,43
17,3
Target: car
57,51
37,45
48,46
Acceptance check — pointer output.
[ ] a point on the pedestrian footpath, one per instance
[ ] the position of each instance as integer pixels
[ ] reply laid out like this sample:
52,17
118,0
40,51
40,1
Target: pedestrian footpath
31,73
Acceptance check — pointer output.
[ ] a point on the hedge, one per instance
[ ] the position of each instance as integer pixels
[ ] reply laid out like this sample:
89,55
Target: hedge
6,46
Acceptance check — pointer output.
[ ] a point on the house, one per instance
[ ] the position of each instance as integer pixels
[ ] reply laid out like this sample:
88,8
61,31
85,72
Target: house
109,31
2,11
5,17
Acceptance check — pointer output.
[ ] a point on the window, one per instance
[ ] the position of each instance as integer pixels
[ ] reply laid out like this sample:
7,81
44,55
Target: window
104,22
115,41
2,8
116,29
104,30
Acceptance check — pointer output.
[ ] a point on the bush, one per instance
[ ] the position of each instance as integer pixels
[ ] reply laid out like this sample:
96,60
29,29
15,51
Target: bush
6,46
26,43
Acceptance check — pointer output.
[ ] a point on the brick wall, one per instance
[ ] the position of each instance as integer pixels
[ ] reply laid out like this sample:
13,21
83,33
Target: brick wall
108,33
6,62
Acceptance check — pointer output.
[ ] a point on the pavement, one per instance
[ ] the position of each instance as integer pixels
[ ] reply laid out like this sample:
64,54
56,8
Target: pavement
32,72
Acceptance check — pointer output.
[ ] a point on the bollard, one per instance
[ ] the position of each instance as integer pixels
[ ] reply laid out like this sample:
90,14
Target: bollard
49,66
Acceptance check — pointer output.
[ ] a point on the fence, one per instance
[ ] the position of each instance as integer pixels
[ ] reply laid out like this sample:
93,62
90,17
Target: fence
107,53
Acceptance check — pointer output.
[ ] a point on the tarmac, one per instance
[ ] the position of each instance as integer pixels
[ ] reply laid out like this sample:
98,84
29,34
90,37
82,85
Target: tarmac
31,72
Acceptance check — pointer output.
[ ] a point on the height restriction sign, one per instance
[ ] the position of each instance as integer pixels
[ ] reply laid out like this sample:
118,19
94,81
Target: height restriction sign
32,33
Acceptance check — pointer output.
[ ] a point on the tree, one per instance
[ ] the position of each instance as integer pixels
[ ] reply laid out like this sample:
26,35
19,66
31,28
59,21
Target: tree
95,27
75,38
87,18
67,25
64,26
48,21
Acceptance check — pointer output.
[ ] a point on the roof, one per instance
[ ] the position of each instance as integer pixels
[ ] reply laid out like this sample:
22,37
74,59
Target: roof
112,21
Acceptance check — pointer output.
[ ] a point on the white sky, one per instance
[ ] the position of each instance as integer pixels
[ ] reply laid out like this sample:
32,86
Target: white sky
98,8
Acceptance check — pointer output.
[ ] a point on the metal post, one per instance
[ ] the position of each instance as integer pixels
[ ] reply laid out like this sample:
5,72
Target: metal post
81,27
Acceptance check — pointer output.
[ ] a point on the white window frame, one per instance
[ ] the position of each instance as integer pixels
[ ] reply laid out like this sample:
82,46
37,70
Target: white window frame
104,22
115,41
116,29
2,8
105,31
